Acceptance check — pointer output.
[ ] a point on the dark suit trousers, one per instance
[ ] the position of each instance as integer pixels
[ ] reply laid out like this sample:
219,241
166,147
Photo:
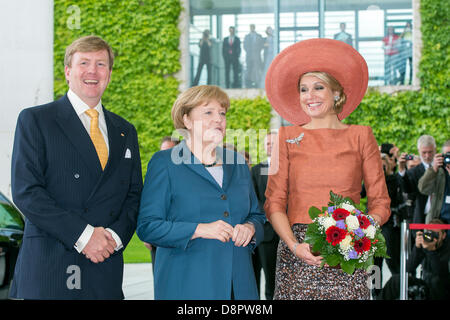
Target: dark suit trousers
232,62
199,72
265,257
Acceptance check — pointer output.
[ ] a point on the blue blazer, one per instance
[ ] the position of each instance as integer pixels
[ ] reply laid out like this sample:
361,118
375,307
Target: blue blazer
179,193
58,184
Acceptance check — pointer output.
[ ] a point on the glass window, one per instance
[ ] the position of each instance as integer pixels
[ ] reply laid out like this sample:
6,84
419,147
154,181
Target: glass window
232,43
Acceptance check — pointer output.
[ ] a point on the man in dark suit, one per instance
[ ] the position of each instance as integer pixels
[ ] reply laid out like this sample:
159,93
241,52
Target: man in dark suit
76,176
231,51
266,253
426,146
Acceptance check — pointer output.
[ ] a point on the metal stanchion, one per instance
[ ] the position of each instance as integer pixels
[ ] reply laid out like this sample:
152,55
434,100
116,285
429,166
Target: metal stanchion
403,259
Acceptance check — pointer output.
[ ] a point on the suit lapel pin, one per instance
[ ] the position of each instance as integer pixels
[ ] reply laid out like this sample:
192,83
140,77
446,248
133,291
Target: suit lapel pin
296,140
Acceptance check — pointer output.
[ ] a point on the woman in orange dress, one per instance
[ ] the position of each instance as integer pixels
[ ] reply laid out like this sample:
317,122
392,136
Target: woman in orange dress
314,90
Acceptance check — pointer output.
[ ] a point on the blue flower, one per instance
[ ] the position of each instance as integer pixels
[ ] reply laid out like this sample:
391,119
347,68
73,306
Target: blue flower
353,254
359,233
341,224
331,209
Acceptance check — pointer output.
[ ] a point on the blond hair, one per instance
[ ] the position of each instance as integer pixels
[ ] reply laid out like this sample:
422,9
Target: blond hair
194,97
88,44
334,86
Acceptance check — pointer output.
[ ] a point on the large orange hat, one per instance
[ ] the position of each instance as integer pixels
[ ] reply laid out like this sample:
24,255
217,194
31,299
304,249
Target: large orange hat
334,57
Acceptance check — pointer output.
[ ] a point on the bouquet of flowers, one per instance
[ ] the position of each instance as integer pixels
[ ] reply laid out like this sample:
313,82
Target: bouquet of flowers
344,236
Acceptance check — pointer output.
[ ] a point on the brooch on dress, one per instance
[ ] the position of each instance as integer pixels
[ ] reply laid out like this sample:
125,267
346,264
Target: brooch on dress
296,140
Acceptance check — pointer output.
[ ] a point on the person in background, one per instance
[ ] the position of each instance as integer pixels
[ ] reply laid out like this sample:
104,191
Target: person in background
406,39
253,44
168,142
343,35
199,207
435,182
76,176
432,250
231,51
204,58
391,56
268,53
426,146
266,253
314,91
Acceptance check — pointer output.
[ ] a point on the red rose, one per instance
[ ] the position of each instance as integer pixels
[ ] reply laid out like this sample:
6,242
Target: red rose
335,235
340,214
363,222
362,245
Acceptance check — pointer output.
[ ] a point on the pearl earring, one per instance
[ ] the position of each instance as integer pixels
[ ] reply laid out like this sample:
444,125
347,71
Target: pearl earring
336,98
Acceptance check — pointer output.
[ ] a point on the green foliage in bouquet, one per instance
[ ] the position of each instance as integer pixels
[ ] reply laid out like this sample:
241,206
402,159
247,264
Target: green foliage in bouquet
344,236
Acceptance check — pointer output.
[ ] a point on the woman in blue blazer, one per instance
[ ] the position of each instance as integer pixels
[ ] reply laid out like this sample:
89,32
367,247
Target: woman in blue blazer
199,208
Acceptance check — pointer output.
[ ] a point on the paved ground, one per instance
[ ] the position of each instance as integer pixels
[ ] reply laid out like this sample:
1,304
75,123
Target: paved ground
138,281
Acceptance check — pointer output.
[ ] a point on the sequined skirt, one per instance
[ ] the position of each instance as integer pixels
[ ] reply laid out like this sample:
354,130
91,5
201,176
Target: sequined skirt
297,280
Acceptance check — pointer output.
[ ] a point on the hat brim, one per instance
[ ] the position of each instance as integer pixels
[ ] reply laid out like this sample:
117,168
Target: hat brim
334,57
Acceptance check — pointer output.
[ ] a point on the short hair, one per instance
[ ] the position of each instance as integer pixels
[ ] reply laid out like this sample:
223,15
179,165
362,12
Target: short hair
446,144
436,221
332,83
88,44
171,139
426,141
194,97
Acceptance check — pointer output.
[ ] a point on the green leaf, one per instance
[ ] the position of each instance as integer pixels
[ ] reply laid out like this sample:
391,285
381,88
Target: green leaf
333,259
314,212
348,266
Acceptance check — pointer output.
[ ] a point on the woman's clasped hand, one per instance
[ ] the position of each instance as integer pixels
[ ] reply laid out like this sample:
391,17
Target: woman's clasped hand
220,230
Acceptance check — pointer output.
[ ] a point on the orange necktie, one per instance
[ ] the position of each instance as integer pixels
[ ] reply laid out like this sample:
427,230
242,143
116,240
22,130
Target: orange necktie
97,138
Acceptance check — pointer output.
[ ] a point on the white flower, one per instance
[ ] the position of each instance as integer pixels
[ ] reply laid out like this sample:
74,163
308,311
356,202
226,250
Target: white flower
328,222
346,243
348,207
352,222
370,232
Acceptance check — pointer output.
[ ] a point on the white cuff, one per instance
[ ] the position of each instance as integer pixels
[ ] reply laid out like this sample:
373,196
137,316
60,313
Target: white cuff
116,238
84,238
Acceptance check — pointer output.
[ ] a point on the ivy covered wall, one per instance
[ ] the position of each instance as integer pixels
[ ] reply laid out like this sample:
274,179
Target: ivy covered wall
145,37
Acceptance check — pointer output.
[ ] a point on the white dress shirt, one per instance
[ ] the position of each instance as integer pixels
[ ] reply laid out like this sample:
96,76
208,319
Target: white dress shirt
217,174
80,108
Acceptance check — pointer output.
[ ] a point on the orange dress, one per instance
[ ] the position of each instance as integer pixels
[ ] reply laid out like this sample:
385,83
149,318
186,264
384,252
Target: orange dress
325,159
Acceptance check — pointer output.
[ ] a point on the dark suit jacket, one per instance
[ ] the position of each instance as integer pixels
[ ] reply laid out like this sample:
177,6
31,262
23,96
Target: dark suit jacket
410,185
259,178
58,184
231,52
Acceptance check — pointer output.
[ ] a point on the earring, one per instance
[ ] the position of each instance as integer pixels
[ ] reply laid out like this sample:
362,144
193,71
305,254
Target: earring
336,98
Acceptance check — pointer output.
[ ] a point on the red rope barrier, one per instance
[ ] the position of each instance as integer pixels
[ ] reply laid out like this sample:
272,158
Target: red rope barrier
420,226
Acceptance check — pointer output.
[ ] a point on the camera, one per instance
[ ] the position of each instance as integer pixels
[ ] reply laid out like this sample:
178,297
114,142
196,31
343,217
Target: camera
429,236
409,157
446,158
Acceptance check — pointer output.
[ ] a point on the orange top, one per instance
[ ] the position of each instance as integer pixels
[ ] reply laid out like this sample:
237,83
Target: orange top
325,160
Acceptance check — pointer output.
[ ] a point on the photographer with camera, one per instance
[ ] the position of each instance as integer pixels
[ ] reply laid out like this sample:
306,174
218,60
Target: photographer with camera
436,183
391,229
432,249
426,146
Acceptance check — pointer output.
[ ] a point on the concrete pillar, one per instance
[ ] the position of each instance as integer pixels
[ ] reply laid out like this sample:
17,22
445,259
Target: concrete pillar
26,68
